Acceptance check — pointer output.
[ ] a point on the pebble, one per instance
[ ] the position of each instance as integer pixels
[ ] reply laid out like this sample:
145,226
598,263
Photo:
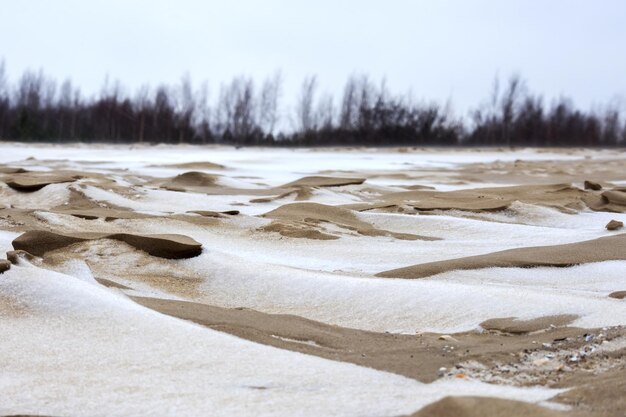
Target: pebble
614,225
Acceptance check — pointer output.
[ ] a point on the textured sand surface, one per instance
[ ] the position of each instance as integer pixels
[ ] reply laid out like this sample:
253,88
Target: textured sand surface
166,280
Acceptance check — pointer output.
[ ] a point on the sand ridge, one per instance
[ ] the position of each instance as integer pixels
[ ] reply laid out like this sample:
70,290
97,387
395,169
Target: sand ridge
38,242
30,182
290,218
301,258
597,250
561,196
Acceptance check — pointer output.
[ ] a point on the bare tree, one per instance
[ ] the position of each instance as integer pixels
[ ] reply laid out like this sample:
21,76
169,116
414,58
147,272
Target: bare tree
349,109
268,102
4,99
305,111
186,107
325,112
202,120
142,104
510,99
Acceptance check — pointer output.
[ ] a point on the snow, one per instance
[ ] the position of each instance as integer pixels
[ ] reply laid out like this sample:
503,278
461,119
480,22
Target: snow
71,346
111,357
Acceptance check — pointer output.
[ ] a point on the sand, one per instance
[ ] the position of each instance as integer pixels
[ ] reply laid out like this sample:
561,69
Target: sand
322,181
302,219
620,295
220,214
597,250
516,326
107,253
192,165
39,242
481,407
190,181
30,182
415,356
560,196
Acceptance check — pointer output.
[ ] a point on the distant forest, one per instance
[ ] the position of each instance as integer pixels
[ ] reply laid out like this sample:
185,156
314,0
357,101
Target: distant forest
37,108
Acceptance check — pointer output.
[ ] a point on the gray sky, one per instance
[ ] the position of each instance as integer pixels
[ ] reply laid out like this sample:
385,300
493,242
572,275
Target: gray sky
439,49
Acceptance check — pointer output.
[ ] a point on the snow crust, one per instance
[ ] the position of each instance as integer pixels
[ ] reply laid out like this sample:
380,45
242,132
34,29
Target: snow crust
77,348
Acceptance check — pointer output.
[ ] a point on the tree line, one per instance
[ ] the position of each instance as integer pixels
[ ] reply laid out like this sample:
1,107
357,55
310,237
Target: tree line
37,108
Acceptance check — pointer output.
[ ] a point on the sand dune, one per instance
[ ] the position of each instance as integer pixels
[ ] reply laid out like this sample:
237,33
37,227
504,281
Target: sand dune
190,181
30,182
597,250
560,196
308,216
106,286
165,246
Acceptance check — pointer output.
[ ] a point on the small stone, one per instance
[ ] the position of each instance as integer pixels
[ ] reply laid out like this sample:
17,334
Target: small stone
620,295
590,185
447,337
4,265
614,225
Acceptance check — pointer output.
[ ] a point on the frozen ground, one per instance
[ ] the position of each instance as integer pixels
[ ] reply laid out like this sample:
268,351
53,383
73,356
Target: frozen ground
74,344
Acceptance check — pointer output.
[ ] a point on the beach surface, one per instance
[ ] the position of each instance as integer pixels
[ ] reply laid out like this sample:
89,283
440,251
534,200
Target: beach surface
187,280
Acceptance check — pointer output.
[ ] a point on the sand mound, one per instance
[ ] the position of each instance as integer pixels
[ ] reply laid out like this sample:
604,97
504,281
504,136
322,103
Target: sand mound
620,295
14,256
320,181
301,193
30,182
615,197
560,196
484,407
516,326
11,170
305,216
192,165
218,214
611,200
297,231
39,242
601,395
105,213
190,181
609,248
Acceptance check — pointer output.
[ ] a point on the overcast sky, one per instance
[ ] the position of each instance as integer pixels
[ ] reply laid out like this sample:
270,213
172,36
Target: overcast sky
439,49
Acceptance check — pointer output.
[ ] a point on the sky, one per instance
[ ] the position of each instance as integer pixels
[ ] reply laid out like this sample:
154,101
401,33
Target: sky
438,50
